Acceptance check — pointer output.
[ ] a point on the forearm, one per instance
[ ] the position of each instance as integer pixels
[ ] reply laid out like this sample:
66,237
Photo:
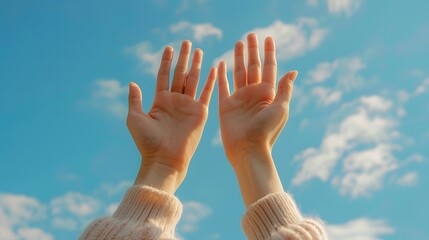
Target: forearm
257,175
160,177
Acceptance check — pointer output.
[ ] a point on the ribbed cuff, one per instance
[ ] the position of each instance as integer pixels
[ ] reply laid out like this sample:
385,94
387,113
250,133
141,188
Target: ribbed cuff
144,204
263,217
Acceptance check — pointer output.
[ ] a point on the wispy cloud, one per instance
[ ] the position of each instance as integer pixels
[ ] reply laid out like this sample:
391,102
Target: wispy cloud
422,88
199,31
186,4
193,213
17,212
149,56
109,95
73,210
364,141
408,179
326,96
33,234
113,189
339,7
217,139
345,72
347,7
359,229
292,39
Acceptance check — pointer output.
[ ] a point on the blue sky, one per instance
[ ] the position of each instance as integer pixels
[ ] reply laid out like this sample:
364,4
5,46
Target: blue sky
354,150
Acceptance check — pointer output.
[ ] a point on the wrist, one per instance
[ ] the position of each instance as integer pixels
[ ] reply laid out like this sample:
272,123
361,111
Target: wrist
159,176
256,174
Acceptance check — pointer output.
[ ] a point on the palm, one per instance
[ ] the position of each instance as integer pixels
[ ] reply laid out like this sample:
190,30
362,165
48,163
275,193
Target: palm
169,133
254,115
170,128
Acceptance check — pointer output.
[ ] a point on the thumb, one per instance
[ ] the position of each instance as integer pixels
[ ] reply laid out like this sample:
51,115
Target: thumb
284,91
134,98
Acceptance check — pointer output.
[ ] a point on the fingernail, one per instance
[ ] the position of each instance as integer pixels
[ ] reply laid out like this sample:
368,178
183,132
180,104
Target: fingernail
293,75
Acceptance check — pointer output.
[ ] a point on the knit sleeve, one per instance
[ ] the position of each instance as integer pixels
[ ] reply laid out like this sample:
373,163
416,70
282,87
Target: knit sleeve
276,217
144,213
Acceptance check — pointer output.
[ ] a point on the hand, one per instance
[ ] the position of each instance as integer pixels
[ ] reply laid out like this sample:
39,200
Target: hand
167,136
254,115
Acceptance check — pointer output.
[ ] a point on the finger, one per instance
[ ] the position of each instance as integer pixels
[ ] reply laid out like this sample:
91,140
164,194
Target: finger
253,62
134,98
284,92
223,81
269,71
207,91
239,66
181,67
164,70
193,77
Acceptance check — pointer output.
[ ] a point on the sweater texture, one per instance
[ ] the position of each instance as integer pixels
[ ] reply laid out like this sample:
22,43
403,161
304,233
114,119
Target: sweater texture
150,214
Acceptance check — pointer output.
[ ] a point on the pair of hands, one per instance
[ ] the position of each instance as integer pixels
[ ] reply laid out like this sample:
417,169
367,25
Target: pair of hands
250,119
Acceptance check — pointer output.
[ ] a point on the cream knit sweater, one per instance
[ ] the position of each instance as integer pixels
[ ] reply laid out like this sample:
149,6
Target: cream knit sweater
150,214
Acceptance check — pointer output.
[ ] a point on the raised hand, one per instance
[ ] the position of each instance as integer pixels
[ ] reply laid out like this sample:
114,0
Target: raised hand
168,135
253,116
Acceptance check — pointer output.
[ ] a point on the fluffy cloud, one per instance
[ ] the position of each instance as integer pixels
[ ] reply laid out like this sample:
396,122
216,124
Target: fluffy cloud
150,56
338,7
113,189
292,39
16,213
73,210
359,229
186,4
344,70
326,96
149,59
365,130
217,140
408,179
193,213
347,7
422,88
109,95
33,234
198,31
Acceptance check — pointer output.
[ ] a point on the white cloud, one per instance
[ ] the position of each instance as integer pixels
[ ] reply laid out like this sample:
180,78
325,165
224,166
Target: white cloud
75,203
364,170
18,211
111,208
109,95
193,213
363,141
347,7
186,4
422,88
344,70
149,59
313,3
33,234
408,179
199,31
217,140
292,39
65,223
359,229
113,189
326,96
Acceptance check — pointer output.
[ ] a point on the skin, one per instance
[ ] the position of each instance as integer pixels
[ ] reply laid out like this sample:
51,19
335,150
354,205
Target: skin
253,116
168,135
